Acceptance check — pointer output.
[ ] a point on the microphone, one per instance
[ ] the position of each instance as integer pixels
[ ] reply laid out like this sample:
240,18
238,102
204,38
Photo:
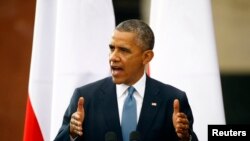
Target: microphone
134,136
110,136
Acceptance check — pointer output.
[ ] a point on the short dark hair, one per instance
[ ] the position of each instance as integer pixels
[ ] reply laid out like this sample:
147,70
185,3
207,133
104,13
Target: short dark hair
143,31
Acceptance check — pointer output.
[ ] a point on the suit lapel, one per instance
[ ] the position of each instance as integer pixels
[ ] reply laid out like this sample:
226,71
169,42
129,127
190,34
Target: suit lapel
151,104
110,107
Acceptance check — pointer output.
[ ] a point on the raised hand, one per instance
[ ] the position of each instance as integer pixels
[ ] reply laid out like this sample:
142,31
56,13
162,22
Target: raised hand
77,119
180,122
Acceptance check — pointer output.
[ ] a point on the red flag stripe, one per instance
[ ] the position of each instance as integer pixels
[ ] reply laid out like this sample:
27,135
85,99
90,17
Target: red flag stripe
32,131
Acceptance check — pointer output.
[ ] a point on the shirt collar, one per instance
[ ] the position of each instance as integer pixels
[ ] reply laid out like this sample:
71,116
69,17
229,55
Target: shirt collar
139,86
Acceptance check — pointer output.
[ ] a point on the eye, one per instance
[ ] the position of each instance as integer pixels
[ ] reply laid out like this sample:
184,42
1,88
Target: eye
112,48
125,50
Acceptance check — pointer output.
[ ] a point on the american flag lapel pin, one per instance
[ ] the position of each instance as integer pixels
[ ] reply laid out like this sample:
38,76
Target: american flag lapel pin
154,104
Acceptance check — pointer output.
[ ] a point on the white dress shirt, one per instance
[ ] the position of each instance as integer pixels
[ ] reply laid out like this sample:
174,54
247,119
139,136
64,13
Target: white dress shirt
121,91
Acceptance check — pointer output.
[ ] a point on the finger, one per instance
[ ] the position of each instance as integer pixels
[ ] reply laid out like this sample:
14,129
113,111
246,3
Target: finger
76,117
181,119
182,126
176,106
181,115
80,104
75,120
79,133
182,133
78,123
75,128
72,126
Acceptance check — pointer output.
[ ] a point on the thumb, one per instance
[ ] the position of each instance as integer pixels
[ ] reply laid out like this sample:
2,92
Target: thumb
80,104
176,106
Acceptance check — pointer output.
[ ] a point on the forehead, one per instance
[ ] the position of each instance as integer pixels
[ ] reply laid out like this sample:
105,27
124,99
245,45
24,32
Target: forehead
124,39
123,36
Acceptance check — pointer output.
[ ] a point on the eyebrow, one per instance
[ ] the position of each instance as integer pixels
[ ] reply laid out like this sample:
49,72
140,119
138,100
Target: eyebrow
120,48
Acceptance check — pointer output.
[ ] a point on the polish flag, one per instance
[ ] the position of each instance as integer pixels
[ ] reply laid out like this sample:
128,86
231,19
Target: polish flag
70,49
185,56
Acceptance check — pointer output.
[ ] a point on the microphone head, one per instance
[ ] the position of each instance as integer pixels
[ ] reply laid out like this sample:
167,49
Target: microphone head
134,136
110,136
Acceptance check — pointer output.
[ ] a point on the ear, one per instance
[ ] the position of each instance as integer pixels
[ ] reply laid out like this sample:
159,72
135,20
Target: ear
147,56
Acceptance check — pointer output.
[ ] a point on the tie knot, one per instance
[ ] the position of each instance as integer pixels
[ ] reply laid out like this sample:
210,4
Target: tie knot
131,90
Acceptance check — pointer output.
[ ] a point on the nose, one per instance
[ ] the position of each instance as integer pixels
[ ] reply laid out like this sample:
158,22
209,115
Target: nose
114,56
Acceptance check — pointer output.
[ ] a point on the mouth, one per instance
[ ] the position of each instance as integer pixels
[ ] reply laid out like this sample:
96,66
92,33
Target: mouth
116,70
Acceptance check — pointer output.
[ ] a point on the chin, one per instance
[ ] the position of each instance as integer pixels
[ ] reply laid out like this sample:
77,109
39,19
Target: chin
116,80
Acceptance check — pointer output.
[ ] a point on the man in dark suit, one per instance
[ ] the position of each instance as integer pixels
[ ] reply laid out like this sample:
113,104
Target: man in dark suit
162,111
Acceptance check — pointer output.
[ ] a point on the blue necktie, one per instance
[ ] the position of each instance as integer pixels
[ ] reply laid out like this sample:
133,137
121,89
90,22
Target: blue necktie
129,115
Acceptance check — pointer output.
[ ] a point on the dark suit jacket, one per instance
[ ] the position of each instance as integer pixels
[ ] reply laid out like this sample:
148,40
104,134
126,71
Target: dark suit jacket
101,112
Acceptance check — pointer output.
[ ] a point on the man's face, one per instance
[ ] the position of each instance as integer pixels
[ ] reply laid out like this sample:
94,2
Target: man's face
126,58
